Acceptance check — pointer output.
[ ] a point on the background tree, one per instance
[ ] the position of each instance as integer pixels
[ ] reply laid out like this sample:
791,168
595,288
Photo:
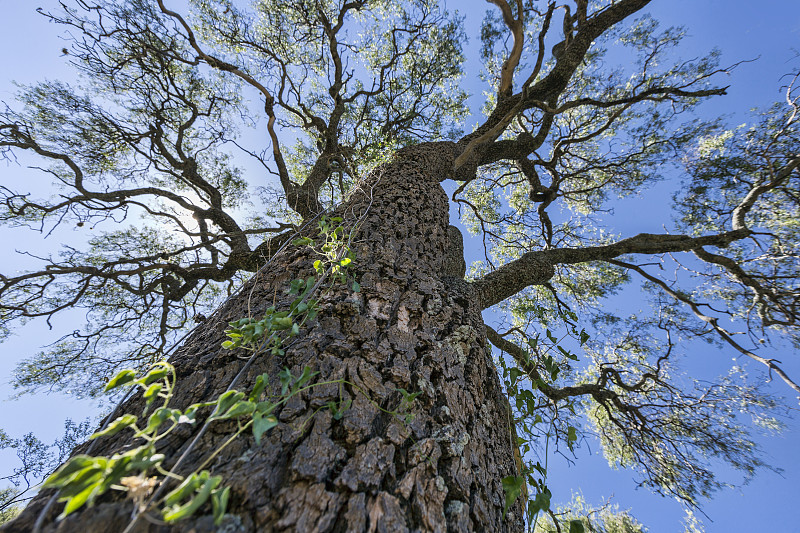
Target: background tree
368,93
606,519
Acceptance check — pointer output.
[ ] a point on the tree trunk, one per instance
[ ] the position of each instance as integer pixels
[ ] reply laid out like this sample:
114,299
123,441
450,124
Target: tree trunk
415,325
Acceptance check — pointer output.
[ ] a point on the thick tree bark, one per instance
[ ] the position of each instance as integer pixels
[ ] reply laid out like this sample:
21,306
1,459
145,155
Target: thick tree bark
415,325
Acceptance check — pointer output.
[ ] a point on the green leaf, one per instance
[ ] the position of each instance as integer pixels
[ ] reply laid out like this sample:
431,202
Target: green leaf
408,397
305,377
295,286
258,388
156,419
146,462
540,503
182,491
567,354
118,466
219,504
85,478
76,502
356,287
533,343
265,408
69,471
191,412
282,322
184,511
241,408
312,309
285,376
576,526
572,435
584,338
225,402
152,392
512,486
262,424
154,375
122,378
116,426
338,409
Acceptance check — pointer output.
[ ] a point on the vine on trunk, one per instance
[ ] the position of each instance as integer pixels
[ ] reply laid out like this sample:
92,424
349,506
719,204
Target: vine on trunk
84,478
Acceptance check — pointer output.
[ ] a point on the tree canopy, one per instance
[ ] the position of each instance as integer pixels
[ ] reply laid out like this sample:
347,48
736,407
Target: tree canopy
201,136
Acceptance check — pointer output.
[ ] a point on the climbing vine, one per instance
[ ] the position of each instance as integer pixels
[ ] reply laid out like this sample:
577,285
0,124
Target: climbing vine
543,360
140,471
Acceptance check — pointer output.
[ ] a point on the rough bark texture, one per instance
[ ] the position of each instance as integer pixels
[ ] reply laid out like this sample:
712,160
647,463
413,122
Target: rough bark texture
415,325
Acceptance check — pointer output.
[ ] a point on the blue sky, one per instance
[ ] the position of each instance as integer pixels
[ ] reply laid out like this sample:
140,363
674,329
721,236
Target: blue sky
742,29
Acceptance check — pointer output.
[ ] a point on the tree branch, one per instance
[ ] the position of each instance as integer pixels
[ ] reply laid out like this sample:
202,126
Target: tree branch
711,321
536,268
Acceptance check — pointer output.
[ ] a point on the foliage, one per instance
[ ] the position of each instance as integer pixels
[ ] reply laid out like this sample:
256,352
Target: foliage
37,460
153,160
578,516
84,478
8,511
154,144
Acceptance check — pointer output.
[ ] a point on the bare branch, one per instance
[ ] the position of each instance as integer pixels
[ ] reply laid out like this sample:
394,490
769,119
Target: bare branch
711,321
536,268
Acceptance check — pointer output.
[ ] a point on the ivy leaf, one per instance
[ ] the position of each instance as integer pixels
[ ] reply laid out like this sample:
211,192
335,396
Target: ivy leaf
76,502
338,409
258,388
282,322
69,471
122,378
240,408
154,375
116,426
576,526
305,377
512,486
540,503
572,436
183,490
188,509
152,392
262,424
285,376
156,419
225,402
219,504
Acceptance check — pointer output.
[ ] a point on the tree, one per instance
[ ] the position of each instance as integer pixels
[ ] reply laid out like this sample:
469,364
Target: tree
606,519
405,423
